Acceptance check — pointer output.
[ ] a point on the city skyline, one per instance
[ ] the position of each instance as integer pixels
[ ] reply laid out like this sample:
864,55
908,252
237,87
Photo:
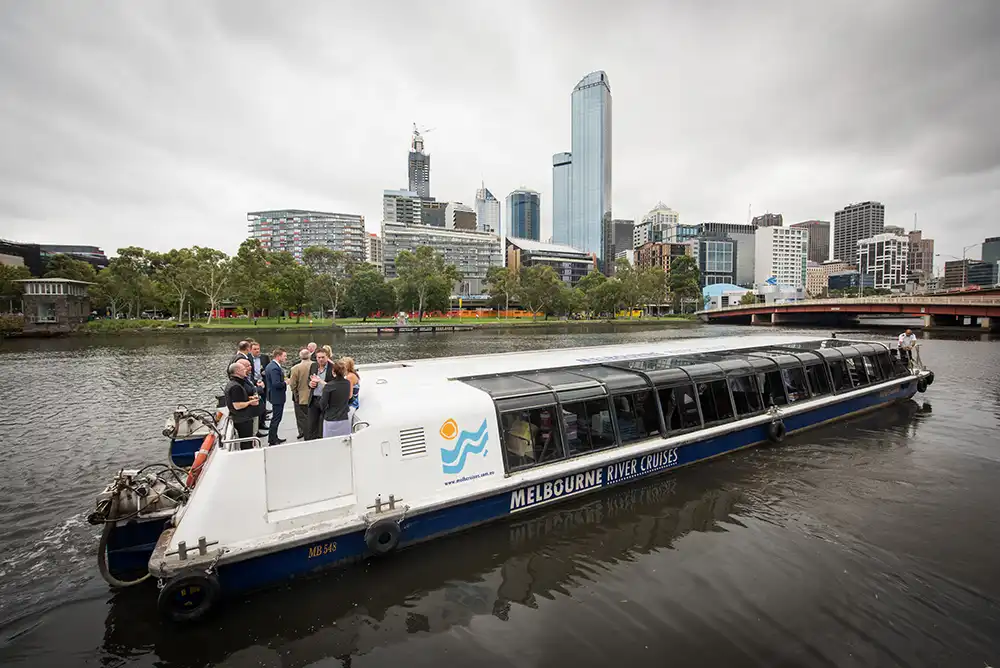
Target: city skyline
178,144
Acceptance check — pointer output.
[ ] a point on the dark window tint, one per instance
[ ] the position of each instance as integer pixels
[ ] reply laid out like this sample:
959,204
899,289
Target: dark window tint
772,387
857,372
715,403
588,426
841,379
884,364
819,382
795,384
679,408
530,437
745,395
637,416
871,368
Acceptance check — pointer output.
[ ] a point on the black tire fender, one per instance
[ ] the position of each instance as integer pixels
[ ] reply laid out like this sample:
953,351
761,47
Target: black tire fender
382,537
776,431
188,598
922,385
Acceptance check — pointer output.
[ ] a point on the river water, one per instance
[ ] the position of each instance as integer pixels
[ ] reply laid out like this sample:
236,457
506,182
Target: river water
871,542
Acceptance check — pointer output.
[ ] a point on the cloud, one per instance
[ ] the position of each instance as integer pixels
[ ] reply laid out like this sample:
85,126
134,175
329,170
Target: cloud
161,124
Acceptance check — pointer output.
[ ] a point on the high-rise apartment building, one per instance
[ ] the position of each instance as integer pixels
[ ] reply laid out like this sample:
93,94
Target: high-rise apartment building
662,220
743,235
524,220
991,250
472,252
852,224
432,212
767,220
590,201
885,257
487,211
616,235
963,273
641,234
819,239
401,206
294,230
458,216
570,264
921,257
717,259
660,254
781,253
373,251
562,192
419,166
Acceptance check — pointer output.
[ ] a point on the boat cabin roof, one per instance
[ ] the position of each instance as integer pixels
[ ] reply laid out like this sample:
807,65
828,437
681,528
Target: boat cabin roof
582,373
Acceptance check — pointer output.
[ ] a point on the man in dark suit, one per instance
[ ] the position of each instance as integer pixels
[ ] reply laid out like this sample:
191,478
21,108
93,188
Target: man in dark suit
320,373
258,363
275,382
242,353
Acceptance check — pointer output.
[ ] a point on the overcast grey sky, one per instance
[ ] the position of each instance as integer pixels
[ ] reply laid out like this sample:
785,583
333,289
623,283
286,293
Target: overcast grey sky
160,124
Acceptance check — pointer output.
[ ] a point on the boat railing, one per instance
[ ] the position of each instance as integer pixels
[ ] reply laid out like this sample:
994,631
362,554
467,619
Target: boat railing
235,444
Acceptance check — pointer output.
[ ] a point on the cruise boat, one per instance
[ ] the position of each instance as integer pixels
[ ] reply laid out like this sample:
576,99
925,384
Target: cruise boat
442,445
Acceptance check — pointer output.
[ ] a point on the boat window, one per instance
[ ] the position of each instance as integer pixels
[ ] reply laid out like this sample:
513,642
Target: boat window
841,379
772,388
871,368
819,382
745,395
716,406
530,437
795,384
856,371
588,426
884,363
680,411
637,416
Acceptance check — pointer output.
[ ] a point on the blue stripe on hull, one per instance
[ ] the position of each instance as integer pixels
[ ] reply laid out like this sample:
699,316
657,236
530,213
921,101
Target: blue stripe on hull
182,451
338,550
130,547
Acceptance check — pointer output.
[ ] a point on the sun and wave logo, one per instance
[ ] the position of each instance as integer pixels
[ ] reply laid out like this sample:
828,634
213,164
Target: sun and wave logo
466,443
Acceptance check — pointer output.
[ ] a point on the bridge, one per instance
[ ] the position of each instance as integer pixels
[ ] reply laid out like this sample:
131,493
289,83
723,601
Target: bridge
958,310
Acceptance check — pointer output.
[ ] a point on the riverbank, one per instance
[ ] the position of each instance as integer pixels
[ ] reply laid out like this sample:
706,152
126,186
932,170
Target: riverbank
247,326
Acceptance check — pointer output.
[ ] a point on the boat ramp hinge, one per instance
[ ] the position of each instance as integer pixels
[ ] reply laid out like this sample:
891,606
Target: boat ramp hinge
379,503
182,548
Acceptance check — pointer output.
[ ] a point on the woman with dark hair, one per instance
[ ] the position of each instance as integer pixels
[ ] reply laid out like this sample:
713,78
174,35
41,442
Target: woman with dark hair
335,402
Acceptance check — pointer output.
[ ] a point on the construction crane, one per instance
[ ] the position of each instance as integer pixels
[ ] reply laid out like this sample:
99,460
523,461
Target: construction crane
418,137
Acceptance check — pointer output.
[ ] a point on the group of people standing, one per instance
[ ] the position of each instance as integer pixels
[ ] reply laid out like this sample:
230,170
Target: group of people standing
324,392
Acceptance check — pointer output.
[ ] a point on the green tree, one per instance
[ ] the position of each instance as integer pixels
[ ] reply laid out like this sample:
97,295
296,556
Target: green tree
502,284
748,299
423,272
253,276
333,270
213,276
631,285
110,291
65,266
654,285
684,280
9,287
367,292
540,288
293,283
173,274
586,286
133,268
606,297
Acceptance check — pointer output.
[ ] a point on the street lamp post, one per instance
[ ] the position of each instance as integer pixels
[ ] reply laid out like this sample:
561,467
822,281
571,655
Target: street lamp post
965,265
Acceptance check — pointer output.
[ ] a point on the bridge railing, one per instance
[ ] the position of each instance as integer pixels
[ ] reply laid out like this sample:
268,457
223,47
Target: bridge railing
848,301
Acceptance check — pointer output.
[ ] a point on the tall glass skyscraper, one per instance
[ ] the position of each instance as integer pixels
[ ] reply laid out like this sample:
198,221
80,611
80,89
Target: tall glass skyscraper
590,201
487,211
562,166
524,219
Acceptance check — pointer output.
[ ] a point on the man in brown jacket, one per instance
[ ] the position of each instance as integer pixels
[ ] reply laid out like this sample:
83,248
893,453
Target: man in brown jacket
298,382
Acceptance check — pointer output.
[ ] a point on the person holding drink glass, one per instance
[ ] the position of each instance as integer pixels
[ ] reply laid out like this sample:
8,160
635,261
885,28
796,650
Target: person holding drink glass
242,405
320,373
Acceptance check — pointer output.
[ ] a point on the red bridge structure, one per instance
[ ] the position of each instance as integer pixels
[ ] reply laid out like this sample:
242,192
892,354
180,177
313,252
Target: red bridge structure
966,309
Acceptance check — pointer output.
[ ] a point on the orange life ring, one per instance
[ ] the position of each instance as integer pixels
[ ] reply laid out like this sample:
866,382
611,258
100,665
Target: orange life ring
200,459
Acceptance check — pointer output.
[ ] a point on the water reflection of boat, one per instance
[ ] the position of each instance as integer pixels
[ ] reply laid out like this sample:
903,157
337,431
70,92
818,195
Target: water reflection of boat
449,583
443,445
